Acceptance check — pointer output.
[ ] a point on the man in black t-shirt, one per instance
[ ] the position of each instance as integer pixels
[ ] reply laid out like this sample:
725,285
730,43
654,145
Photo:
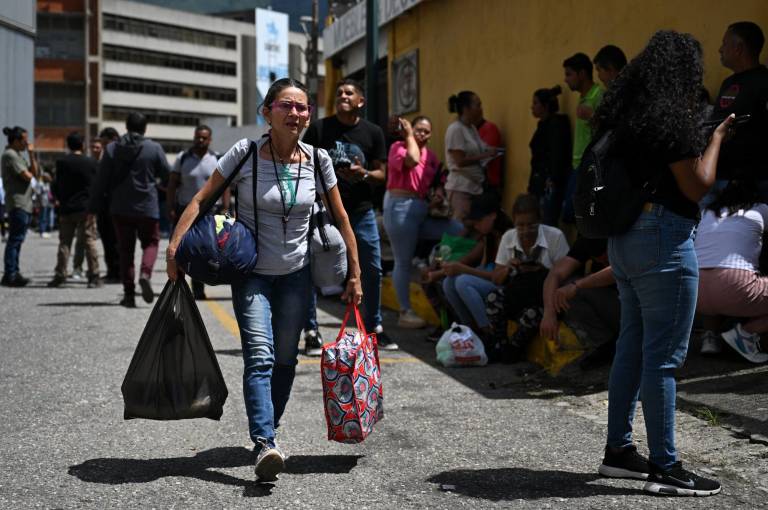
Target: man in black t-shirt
744,92
359,155
74,175
589,305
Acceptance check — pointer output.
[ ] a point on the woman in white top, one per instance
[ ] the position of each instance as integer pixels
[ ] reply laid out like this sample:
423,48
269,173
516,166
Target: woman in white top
728,245
272,303
465,153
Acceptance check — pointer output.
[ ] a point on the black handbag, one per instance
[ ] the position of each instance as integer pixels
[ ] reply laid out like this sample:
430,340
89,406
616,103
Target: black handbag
218,249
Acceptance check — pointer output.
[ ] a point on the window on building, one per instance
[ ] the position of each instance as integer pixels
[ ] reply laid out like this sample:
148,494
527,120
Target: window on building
170,32
60,36
156,58
162,88
59,104
117,113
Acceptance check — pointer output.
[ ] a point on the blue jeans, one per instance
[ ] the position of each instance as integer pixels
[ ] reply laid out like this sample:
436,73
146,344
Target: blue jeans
407,222
18,222
466,294
369,253
45,220
270,343
657,274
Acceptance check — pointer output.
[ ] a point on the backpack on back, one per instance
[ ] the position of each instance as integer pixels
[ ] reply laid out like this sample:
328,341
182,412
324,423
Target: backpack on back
607,202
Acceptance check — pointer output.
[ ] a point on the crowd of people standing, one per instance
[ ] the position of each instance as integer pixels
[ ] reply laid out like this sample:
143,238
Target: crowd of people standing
633,297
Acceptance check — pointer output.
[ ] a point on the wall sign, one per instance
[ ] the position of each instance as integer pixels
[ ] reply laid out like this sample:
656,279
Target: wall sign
405,83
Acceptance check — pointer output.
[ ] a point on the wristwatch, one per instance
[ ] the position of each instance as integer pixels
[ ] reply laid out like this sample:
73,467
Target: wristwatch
366,174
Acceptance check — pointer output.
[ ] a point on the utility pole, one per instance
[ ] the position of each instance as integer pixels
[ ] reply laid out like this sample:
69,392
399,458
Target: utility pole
312,59
371,59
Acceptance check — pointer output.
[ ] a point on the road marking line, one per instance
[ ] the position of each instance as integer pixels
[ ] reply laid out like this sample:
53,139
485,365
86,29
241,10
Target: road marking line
224,317
230,324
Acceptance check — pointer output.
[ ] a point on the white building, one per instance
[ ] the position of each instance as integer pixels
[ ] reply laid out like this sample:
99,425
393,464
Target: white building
173,66
178,68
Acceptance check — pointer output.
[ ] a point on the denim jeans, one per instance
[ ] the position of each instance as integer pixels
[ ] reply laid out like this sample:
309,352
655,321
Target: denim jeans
406,221
45,220
369,253
466,294
270,343
18,222
657,275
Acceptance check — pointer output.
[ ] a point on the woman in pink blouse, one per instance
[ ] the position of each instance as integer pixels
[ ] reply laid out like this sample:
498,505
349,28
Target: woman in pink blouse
411,170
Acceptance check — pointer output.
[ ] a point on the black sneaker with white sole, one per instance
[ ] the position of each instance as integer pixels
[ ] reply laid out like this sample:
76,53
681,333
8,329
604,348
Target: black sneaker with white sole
313,343
625,464
385,343
676,481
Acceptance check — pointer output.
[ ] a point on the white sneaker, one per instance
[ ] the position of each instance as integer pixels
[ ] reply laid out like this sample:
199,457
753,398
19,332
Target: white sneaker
409,320
45,235
710,343
77,274
746,344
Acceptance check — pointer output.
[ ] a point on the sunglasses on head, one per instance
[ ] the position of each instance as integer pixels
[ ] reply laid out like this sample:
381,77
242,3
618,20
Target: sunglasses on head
288,106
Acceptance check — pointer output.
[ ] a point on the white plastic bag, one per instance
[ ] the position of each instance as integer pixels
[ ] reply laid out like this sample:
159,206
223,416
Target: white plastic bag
460,347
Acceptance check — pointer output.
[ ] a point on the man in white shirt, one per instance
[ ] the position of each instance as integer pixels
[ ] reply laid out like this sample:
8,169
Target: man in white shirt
190,171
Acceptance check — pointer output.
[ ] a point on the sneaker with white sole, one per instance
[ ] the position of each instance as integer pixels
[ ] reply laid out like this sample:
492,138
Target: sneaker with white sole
270,461
409,320
745,343
313,343
677,481
710,343
625,464
383,342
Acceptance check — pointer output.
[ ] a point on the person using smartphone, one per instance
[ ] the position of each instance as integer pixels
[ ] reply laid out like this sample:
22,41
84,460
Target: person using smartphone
526,254
17,174
411,169
654,112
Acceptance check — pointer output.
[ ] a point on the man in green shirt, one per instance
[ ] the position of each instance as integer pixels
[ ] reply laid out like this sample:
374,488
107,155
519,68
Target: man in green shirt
578,77
17,176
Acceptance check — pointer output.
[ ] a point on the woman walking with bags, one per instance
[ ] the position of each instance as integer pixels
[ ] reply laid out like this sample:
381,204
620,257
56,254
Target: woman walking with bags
272,303
654,115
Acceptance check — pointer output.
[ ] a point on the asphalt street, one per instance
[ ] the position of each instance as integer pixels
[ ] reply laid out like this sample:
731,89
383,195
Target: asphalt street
462,438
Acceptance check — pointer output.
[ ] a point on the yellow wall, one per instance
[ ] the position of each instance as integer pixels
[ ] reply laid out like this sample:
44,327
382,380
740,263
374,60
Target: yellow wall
505,49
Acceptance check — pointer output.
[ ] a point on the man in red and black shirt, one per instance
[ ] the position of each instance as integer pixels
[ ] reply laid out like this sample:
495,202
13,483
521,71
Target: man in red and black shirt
744,92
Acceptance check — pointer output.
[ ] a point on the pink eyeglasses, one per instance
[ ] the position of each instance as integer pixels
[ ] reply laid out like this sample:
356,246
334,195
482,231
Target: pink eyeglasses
303,110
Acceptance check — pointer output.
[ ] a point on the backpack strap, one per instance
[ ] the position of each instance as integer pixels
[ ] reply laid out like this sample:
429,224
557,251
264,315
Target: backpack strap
206,206
315,155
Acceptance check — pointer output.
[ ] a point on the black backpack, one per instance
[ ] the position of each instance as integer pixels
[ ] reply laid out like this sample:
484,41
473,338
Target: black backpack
607,202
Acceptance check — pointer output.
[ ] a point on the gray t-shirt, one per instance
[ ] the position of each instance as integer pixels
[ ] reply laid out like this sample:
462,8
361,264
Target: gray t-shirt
278,255
193,172
18,191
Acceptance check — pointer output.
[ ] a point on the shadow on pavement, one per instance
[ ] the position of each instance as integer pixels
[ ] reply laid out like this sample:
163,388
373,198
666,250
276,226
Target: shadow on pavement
520,483
229,352
202,466
79,303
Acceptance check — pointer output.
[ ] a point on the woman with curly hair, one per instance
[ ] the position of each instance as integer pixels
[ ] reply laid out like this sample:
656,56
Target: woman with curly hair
654,113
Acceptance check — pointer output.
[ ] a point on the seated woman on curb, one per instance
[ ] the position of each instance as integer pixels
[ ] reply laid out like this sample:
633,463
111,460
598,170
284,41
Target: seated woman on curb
466,286
728,245
411,168
525,256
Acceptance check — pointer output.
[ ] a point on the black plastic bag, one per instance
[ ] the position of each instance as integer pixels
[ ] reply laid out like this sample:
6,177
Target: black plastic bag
174,374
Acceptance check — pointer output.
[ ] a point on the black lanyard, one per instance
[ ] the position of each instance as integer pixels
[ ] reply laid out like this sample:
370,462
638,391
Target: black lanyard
287,212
